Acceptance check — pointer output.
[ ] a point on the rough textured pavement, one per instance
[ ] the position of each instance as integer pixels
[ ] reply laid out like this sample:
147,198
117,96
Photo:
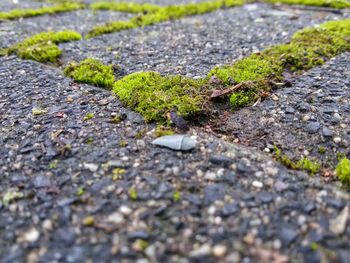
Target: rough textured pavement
92,190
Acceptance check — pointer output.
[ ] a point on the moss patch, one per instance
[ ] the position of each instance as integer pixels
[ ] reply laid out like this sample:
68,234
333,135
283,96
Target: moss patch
42,47
305,164
127,7
152,14
59,8
308,48
110,28
324,3
153,95
308,165
343,171
91,71
163,131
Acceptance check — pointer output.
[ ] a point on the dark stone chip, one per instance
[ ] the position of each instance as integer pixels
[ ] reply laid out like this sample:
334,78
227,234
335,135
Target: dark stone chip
214,192
230,209
265,197
287,235
221,160
138,235
312,127
309,207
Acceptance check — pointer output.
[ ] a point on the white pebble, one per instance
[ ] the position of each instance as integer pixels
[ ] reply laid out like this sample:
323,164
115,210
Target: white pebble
219,251
337,140
257,184
125,210
116,218
32,235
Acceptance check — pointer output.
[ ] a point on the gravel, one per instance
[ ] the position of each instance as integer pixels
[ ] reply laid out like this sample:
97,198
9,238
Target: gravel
319,118
194,45
76,189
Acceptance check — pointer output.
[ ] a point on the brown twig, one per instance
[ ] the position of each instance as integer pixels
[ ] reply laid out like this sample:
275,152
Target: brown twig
220,93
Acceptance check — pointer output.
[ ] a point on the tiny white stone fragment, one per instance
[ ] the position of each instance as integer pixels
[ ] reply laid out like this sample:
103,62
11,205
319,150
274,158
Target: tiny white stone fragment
257,184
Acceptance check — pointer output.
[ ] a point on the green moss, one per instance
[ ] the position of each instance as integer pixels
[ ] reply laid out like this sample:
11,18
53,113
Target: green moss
140,133
133,193
38,111
11,196
321,150
284,159
153,95
163,131
80,191
325,3
306,164
140,245
343,171
314,246
340,156
176,196
91,71
253,68
88,221
123,143
308,48
125,7
89,116
117,119
242,99
152,14
110,28
117,173
42,47
89,140
19,13
53,164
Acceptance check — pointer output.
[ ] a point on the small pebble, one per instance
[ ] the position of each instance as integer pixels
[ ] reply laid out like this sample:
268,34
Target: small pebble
257,184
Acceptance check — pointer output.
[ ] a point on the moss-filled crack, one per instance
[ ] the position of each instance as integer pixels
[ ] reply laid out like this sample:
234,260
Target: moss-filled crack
308,48
154,95
91,71
42,47
22,13
152,14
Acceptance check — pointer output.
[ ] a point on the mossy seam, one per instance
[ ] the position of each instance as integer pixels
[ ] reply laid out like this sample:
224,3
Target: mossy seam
42,47
343,171
154,95
152,14
22,13
308,48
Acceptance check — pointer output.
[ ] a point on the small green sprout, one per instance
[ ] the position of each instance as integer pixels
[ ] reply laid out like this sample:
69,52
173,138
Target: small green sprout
11,196
343,171
89,116
306,164
80,191
123,143
321,150
53,164
38,111
163,131
132,193
176,196
117,173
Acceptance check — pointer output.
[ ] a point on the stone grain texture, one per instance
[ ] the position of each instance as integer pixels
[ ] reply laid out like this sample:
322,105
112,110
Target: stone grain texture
80,180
